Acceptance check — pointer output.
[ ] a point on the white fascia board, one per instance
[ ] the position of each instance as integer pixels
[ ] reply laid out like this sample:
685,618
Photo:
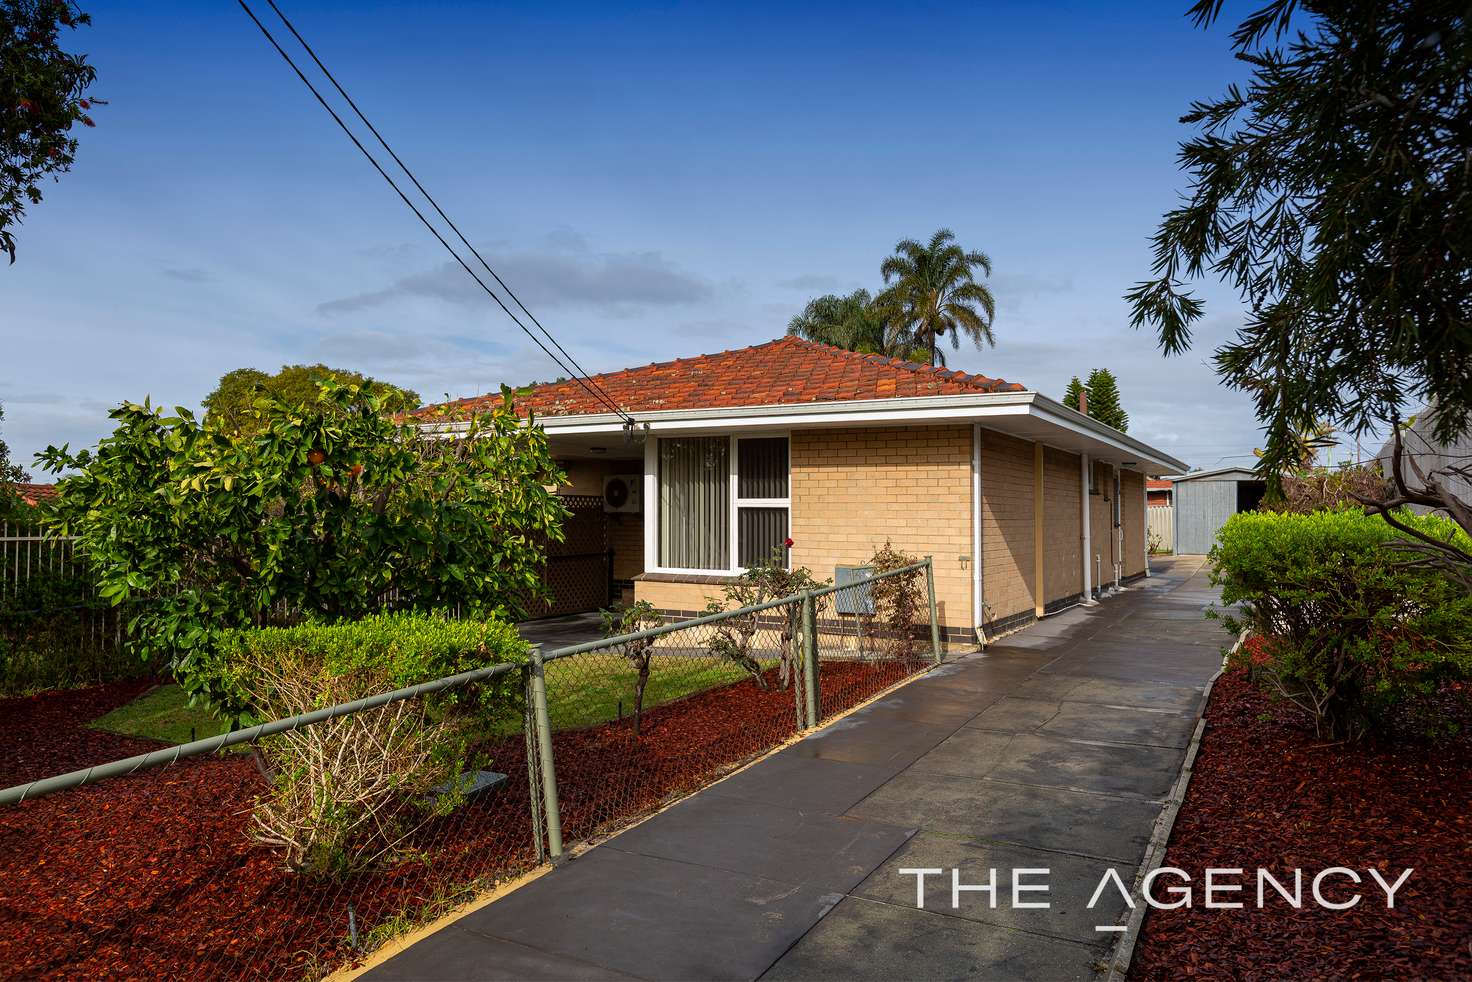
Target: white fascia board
979,408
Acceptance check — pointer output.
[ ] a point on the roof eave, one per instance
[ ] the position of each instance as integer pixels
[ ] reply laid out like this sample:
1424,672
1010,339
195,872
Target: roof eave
980,407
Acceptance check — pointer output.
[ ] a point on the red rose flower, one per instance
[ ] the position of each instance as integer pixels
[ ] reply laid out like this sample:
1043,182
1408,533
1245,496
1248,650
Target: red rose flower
787,542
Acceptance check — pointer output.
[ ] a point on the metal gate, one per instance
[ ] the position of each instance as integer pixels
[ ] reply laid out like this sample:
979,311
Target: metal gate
579,572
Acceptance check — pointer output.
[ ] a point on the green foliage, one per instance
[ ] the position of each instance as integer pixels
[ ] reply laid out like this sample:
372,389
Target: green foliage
42,96
1104,402
935,292
1333,193
395,650
1350,633
734,637
851,322
640,615
331,510
1072,396
348,792
233,402
56,633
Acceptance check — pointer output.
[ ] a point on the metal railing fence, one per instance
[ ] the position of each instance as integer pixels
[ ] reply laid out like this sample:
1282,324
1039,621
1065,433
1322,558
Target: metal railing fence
174,862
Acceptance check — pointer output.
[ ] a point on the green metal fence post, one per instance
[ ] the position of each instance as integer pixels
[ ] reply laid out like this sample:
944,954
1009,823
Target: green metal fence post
934,619
529,731
544,746
810,656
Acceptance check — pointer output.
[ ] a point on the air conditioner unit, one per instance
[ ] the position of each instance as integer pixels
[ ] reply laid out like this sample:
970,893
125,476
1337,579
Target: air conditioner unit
623,493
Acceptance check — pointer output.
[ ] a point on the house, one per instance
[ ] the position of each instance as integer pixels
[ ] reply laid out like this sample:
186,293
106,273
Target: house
1026,506
1450,463
1158,491
31,494
1204,500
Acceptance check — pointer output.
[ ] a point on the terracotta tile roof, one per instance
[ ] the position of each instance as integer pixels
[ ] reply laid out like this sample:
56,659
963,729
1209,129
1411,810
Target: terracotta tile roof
30,494
1156,484
787,371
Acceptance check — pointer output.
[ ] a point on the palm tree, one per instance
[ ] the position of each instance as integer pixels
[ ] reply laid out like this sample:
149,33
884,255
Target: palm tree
935,292
849,322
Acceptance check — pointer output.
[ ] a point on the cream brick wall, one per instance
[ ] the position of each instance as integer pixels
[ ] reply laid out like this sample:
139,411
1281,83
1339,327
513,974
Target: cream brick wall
1132,500
855,489
677,596
1062,525
1007,465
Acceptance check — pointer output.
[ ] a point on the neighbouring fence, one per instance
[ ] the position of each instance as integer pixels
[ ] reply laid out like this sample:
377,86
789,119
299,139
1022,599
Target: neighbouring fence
161,865
1161,525
55,631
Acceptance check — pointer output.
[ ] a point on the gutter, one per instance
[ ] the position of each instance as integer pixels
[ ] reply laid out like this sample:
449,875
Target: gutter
958,408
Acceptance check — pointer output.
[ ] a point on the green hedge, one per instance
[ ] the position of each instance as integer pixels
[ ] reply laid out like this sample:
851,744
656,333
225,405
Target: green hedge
367,656
1349,632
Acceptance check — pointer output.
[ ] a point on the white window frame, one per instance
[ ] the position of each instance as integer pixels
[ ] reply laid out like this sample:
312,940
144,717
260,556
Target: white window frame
733,502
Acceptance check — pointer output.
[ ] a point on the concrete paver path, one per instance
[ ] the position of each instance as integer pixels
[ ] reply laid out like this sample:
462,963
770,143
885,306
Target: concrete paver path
1054,749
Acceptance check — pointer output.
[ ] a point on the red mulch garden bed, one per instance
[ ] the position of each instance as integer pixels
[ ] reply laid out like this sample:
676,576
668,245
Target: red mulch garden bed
1267,793
154,875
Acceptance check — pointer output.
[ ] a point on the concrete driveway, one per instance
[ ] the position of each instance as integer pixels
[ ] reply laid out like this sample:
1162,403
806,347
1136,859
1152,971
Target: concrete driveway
1053,750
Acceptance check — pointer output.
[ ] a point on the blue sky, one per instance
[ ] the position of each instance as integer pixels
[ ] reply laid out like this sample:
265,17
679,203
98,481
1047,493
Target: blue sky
655,180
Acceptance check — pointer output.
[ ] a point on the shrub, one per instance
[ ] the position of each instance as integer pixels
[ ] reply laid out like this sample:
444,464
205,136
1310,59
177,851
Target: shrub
900,602
1317,488
348,792
56,633
640,615
1353,636
769,580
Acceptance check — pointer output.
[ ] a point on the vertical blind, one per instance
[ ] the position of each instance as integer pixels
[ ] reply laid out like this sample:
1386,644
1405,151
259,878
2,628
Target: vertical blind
762,468
695,502
760,533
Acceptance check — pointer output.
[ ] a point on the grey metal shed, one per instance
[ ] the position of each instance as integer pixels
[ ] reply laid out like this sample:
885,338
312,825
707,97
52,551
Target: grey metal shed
1205,500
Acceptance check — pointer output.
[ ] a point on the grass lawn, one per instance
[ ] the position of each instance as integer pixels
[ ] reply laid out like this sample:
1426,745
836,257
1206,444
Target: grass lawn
161,714
583,690
594,688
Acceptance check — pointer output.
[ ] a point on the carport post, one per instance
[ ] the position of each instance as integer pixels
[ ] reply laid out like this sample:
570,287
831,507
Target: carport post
810,656
537,677
934,619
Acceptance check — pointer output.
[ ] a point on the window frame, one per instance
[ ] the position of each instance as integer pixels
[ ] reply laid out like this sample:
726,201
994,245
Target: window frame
734,503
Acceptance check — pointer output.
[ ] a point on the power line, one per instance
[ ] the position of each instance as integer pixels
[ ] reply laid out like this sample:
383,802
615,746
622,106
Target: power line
586,383
430,198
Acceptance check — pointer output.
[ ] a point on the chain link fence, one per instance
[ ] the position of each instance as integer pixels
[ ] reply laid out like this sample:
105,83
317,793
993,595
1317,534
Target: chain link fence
289,849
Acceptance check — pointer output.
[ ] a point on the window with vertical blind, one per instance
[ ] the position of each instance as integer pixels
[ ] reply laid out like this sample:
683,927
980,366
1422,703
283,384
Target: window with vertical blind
724,502
762,501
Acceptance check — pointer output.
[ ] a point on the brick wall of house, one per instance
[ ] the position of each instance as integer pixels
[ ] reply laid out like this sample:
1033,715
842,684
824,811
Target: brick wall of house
855,489
1062,526
1132,502
679,599
1007,465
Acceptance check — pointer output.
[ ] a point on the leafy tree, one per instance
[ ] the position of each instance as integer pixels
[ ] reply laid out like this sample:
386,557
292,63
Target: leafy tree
850,322
934,291
42,96
10,475
1333,193
1071,398
232,403
334,510
1104,400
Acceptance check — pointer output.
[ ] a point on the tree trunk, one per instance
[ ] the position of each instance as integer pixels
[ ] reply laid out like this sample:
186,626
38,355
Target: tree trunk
639,693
